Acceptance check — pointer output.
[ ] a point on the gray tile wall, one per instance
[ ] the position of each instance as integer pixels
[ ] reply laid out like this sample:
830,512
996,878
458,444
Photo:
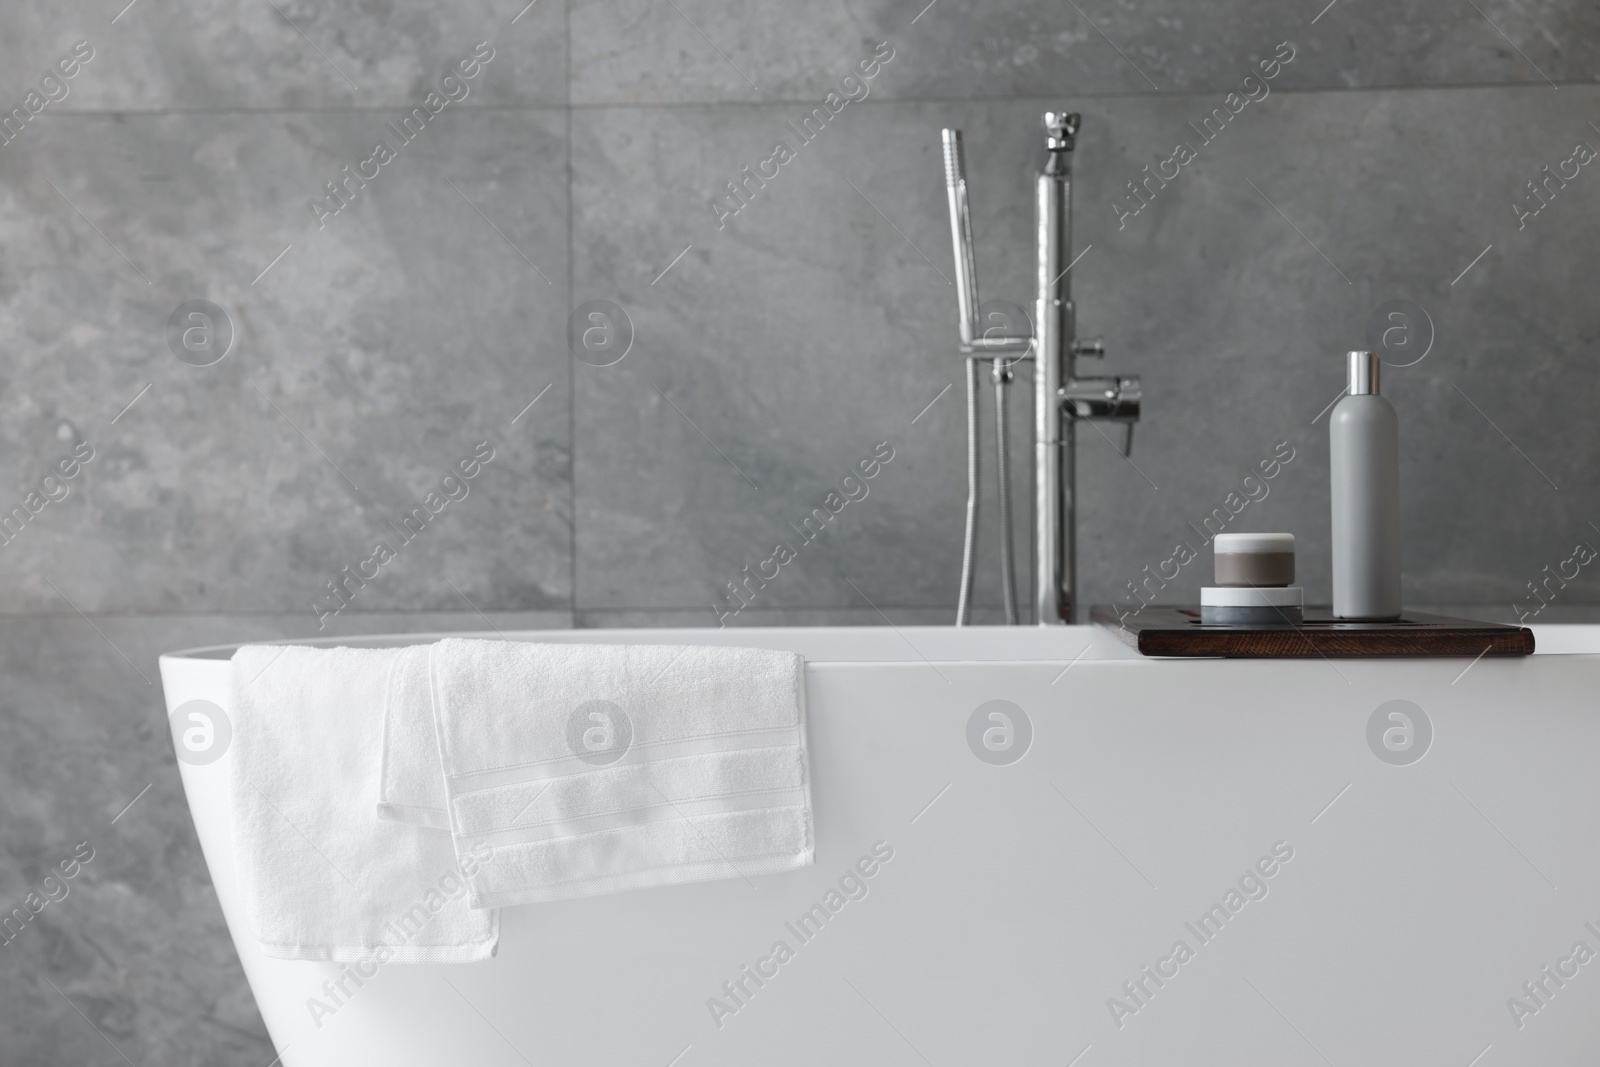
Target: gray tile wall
773,349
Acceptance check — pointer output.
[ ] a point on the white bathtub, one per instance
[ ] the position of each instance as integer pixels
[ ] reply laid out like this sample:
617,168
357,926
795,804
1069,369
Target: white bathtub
1020,898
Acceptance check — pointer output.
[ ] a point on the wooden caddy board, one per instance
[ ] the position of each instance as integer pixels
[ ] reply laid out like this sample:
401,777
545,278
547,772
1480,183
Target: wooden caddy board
1178,631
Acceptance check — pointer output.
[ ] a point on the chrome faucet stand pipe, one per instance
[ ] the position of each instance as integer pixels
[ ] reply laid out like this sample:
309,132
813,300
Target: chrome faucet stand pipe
1054,550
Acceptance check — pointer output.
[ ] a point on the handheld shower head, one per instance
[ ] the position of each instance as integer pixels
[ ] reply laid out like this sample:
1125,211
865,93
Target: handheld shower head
974,338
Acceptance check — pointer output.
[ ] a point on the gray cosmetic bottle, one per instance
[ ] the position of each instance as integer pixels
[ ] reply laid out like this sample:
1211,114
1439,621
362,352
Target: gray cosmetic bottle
1364,450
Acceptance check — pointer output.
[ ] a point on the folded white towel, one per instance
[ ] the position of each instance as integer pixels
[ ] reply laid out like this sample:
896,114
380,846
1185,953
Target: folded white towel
587,769
410,784
325,879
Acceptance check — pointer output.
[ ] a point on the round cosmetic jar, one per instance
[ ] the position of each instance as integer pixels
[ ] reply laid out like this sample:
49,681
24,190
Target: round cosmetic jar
1254,559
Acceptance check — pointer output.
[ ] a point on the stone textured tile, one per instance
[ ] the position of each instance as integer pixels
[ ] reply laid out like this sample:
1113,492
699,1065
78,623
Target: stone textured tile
368,361
1239,324
282,53
786,344
775,356
138,944
634,52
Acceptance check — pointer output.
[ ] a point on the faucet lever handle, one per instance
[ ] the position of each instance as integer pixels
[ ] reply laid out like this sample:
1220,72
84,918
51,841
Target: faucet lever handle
1090,348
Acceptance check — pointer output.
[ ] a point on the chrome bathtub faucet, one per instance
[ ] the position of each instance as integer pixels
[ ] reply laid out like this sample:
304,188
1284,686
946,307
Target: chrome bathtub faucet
1061,397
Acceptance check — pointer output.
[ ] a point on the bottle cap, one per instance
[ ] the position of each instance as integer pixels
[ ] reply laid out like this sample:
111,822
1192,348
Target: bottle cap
1363,373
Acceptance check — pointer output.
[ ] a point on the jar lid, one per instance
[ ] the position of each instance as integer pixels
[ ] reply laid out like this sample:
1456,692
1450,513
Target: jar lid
1253,542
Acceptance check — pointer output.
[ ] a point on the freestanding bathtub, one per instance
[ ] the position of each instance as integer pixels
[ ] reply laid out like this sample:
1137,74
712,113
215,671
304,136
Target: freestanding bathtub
1192,861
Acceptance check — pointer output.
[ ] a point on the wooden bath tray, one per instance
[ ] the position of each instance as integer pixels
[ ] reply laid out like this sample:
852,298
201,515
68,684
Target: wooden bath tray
1178,631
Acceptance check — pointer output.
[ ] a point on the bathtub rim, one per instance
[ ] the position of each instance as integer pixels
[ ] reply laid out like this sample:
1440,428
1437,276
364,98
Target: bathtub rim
849,644
819,644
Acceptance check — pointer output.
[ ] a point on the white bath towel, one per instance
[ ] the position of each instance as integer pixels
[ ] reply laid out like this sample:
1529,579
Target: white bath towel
324,878
411,781
587,769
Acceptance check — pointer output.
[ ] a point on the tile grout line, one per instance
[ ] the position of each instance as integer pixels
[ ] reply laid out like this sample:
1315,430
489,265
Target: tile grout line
874,102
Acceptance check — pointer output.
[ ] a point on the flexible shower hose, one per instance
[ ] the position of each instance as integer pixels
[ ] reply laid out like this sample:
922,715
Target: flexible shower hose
969,541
